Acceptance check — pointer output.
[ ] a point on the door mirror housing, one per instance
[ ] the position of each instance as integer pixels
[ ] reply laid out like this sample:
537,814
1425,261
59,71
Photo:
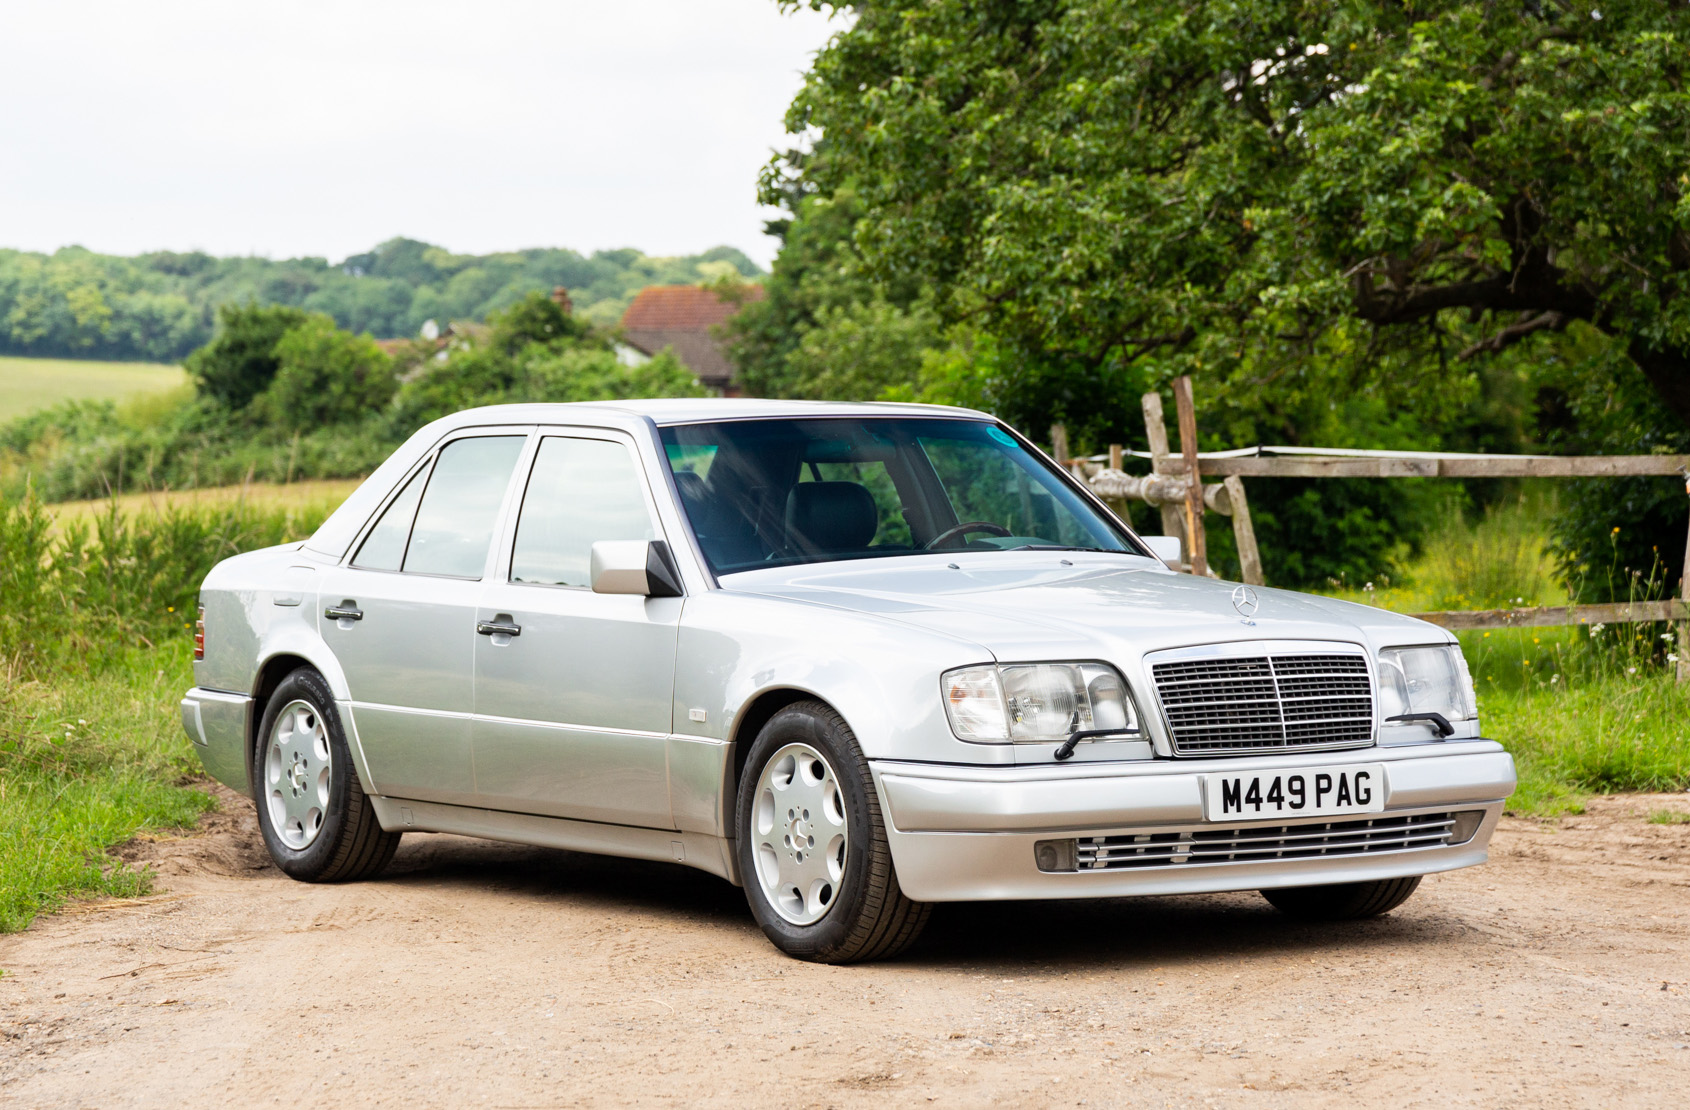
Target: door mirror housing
644,568
1165,548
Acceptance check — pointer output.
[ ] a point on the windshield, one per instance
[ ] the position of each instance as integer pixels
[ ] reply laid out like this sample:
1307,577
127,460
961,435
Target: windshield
762,493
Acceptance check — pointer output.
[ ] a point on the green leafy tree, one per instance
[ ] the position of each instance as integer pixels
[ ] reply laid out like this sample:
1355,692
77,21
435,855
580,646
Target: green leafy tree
325,377
241,361
1145,179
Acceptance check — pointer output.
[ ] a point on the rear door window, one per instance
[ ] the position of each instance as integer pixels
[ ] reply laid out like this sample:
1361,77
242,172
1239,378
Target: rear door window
454,524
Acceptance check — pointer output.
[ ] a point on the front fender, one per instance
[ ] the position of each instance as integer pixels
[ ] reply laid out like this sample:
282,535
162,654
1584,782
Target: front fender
880,675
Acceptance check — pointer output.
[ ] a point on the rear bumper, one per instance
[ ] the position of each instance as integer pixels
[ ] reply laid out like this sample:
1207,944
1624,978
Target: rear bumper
969,833
219,722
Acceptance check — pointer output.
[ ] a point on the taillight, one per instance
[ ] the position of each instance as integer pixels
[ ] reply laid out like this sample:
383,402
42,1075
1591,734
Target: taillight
199,635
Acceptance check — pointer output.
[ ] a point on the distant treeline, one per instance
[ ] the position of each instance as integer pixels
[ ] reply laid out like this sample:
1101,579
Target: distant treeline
75,303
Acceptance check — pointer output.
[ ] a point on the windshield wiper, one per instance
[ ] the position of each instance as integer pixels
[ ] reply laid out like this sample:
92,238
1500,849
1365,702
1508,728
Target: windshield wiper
1063,547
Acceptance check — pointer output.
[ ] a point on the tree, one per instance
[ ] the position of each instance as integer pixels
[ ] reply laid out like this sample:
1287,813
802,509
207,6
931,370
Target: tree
1212,185
241,361
324,377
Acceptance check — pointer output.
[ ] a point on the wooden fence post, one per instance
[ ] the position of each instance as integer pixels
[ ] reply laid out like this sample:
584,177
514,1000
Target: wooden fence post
1156,428
1124,507
1244,533
1684,594
1196,536
1059,444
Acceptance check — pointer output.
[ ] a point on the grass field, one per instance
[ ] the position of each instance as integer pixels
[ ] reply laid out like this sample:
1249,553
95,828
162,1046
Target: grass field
317,496
27,384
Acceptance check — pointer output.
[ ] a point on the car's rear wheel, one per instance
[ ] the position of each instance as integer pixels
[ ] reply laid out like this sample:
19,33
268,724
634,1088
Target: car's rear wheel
1343,901
315,818
812,844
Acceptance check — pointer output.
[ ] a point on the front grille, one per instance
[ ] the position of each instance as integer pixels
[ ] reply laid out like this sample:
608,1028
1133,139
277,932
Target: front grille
1266,703
1258,843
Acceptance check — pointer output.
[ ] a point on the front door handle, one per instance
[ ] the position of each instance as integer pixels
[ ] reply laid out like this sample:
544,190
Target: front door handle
346,611
502,625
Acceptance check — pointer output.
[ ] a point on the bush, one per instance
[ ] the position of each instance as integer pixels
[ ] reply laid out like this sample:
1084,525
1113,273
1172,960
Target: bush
240,362
325,377
77,598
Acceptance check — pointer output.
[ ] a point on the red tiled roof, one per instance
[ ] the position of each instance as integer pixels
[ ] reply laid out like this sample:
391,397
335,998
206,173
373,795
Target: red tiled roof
680,308
680,317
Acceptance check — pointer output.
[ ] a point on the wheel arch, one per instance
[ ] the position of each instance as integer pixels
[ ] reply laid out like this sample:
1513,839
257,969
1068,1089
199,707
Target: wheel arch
283,659
757,712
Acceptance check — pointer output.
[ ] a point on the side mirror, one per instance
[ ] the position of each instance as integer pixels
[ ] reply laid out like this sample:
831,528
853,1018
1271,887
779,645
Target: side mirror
1165,548
640,567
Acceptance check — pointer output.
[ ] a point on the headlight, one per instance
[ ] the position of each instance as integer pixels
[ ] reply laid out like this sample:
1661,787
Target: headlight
1425,680
1027,703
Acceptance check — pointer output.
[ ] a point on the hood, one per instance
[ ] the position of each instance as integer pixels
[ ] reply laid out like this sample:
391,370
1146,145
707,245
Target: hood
1051,605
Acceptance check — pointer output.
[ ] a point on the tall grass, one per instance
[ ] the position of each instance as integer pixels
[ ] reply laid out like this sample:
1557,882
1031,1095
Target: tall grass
1590,709
95,651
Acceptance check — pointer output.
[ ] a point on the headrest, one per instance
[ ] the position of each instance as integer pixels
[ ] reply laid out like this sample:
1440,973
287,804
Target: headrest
831,516
691,487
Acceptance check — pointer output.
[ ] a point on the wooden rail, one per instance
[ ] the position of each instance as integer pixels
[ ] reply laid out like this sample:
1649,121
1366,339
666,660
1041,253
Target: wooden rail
1182,504
1498,466
1620,612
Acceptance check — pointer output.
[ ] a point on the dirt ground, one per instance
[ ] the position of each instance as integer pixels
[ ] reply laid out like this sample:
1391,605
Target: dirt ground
478,974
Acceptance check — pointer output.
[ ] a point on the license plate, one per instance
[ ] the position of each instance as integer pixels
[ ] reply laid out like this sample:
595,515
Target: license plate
1304,792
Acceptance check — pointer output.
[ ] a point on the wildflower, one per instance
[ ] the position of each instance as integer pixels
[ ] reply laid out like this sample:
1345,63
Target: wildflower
1631,670
80,721
1672,657
1554,678
1616,531
1595,628
170,608
1667,636
1368,587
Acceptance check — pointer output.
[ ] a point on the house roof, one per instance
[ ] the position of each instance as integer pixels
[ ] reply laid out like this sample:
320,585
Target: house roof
681,316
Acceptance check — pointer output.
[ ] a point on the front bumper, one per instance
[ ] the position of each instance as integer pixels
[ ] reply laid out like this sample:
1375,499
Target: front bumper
969,833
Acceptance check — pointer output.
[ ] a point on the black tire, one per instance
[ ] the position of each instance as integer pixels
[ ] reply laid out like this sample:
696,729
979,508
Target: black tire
350,844
869,917
1343,901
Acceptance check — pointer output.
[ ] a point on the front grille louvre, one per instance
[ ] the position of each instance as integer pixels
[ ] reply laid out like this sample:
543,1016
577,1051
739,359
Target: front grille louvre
1258,843
1266,703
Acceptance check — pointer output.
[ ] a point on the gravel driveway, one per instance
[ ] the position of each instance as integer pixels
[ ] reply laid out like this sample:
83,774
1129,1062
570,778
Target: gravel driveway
477,974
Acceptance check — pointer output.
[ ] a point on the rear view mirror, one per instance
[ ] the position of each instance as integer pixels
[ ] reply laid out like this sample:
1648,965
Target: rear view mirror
1165,548
640,567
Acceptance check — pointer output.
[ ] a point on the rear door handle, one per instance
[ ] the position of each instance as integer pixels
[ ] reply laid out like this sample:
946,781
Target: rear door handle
345,611
498,627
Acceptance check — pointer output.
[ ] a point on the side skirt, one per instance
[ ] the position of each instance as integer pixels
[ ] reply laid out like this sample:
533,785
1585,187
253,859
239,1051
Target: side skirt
700,850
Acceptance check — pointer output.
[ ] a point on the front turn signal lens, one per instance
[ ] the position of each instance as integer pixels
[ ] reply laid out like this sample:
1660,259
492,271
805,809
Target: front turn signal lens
974,703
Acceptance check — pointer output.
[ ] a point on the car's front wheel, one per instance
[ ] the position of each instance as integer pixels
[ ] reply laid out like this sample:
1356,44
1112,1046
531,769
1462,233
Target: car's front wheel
812,844
1343,901
316,820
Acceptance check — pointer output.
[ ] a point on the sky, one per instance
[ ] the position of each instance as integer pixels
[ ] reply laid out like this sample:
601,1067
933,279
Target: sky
311,128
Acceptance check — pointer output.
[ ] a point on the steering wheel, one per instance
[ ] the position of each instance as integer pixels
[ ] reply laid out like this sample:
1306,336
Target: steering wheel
965,528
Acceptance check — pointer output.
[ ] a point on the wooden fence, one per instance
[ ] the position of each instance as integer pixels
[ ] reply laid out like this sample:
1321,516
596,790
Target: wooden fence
1183,502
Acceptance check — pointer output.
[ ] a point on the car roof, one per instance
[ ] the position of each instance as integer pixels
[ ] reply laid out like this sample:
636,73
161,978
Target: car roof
338,531
693,410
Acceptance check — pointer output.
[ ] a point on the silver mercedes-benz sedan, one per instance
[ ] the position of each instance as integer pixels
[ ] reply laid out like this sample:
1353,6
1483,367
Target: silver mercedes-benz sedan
857,659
